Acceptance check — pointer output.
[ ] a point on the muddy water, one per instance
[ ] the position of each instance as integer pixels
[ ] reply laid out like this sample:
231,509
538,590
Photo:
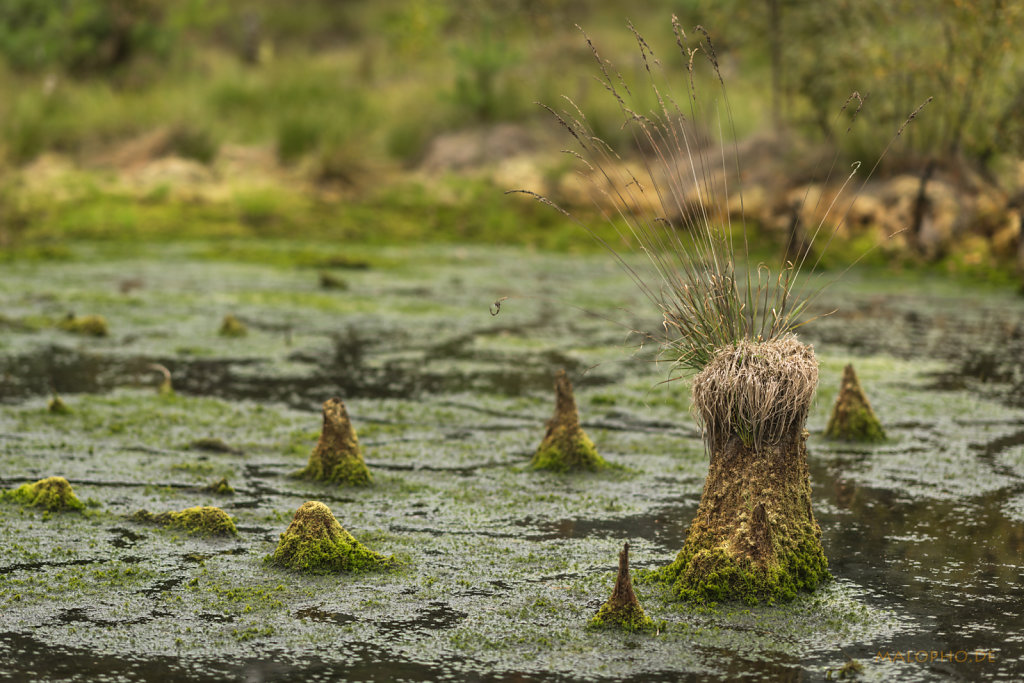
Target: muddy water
501,566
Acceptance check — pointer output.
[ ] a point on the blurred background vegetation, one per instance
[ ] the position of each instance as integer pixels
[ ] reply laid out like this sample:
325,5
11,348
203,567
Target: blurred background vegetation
400,120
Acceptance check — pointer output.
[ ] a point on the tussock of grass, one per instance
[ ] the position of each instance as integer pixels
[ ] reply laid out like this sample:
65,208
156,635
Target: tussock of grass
760,391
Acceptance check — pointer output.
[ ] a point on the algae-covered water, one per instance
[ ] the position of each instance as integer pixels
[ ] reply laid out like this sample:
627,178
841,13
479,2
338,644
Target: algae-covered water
500,566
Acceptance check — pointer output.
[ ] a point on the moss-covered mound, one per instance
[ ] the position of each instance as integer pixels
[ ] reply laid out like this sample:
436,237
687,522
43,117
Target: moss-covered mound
53,494
88,325
199,521
337,457
852,416
232,327
221,487
316,543
622,610
566,447
57,406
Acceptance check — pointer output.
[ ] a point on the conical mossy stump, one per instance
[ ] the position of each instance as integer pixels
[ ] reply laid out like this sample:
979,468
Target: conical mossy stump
566,447
337,457
53,494
315,542
754,537
853,419
622,609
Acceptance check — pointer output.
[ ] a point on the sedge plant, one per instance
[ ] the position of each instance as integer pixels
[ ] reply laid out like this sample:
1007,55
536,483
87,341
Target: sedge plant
728,323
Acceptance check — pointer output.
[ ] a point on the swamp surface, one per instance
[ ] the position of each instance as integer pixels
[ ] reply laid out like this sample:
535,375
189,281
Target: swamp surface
500,566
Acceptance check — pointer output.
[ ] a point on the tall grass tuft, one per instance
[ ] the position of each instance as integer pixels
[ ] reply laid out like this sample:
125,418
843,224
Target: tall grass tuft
681,205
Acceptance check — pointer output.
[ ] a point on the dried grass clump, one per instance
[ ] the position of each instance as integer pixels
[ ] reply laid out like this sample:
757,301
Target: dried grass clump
760,391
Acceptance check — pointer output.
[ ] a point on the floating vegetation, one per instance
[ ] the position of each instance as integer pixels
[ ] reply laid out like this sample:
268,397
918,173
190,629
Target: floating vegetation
852,418
54,494
197,521
337,457
315,542
622,609
566,447
86,325
232,327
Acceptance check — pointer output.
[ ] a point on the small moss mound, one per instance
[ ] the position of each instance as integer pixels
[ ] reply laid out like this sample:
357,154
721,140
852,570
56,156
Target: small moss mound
232,327
852,416
711,575
566,447
87,325
330,281
337,457
197,521
53,493
56,406
221,487
316,543
622,610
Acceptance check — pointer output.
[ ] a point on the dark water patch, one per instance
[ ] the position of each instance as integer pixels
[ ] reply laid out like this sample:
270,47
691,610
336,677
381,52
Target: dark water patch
162,586
124,538
436,616
81,615
323,616
216,617
664,527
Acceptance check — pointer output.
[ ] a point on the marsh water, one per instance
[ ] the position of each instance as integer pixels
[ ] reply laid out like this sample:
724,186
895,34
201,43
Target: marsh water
500,566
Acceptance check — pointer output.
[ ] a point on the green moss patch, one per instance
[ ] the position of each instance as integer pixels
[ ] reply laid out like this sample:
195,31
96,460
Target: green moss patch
53,494
315,542
197,521
232,327
86,325
712,575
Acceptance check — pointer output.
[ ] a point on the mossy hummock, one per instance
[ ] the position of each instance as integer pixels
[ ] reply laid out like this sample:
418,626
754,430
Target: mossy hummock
57,406
315,542
53,493
566,447
198,521
232,327
754,537
87,325
852,416
337,457
622,610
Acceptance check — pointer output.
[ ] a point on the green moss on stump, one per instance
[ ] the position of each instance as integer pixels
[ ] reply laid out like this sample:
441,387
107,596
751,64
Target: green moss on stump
53,494
87,325
316,543
622,610
566,447
852,416
337,457
232,327
196,521
712,575
221,487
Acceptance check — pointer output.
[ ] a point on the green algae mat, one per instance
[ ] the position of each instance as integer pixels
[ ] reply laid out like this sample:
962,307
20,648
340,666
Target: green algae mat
496,567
